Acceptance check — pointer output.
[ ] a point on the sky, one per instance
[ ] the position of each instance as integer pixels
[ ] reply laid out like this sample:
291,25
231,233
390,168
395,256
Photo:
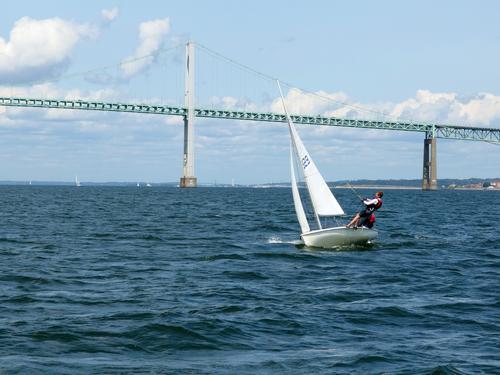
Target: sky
425,61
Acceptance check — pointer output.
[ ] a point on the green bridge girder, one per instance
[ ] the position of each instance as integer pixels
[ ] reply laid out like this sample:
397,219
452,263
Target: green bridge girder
431,130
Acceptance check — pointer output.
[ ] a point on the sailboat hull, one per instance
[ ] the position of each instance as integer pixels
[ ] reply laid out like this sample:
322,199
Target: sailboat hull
338,236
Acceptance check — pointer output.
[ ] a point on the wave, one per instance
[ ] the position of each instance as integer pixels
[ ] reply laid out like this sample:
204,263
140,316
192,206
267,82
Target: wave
446,370
278,240
245,275
231,256
148,287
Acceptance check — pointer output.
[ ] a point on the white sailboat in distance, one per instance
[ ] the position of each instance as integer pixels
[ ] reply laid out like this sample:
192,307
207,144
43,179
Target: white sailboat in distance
77,183
322,200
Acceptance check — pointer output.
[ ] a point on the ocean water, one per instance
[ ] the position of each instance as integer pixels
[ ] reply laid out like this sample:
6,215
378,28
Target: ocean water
110,280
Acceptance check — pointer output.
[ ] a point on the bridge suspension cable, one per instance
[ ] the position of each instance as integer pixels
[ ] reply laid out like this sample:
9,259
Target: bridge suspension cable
111,82
306,91
84,73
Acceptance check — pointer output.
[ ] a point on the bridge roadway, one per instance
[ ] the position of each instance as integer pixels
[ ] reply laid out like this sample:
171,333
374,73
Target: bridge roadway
430,130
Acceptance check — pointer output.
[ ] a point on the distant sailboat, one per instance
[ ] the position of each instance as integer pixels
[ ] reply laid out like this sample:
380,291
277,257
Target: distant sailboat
77,183
322,200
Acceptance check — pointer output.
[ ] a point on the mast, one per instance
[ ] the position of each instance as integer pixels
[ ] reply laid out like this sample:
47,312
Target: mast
322,199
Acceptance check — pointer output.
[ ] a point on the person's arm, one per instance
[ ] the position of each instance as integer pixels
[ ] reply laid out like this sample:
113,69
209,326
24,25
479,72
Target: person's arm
368,202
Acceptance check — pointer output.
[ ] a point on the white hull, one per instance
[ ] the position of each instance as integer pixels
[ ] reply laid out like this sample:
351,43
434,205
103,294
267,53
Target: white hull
338,236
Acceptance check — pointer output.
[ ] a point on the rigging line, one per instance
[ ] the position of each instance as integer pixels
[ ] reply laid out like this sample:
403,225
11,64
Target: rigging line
246,67
268,77
124,62
354,191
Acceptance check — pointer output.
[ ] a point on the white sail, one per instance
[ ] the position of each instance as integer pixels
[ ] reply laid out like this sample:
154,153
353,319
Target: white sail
323,201
299,209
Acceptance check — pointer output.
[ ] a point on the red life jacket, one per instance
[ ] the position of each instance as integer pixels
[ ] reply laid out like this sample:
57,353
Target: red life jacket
376,206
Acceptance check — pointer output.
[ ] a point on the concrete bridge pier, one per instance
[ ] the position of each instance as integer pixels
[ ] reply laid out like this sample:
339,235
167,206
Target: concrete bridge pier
188,179
429,178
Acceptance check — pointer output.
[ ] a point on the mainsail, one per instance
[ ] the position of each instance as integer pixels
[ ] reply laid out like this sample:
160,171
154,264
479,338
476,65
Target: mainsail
299,209
323,201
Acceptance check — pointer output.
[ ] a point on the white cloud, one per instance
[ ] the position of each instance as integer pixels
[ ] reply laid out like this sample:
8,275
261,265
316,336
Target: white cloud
109,15
299,102
51,91
232,103
482,109
39,48
151,37
174,120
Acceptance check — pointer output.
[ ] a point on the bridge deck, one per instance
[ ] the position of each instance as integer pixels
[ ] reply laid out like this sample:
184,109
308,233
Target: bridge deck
432,130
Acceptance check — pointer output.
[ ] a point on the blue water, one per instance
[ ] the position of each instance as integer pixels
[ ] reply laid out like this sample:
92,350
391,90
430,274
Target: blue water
212,281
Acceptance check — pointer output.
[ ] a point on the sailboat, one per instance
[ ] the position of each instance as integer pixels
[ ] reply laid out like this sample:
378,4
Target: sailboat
77,183
322,200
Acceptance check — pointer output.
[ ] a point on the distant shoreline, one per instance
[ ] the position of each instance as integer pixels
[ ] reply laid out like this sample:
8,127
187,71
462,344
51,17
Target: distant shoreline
389,184
259,186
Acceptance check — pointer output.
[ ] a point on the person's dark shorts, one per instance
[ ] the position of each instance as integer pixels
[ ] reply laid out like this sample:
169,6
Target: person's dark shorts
365,213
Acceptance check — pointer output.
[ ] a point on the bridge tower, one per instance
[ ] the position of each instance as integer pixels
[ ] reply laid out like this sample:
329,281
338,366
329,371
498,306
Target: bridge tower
188,178
429,177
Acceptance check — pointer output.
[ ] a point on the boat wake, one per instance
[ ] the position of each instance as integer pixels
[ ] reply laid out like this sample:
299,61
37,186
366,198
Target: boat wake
278,240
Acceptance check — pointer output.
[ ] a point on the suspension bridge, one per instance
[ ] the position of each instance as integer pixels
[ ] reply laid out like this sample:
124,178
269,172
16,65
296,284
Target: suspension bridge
189,112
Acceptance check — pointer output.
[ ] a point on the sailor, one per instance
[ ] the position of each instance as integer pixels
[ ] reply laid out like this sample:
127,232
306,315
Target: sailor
371,205
368,221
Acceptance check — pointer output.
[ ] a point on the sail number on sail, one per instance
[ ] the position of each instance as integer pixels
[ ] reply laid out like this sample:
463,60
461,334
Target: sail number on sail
305,162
